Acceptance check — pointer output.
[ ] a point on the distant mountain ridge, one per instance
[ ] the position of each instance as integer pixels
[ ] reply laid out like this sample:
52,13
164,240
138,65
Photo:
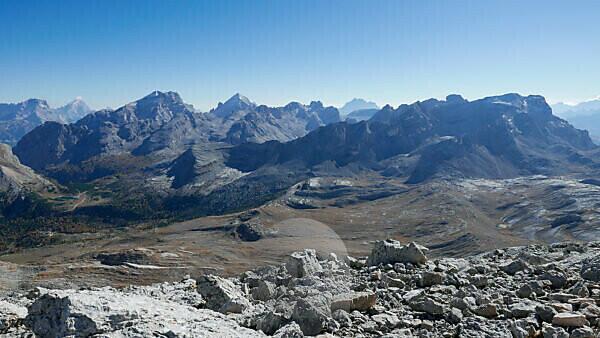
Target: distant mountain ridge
158,157
495,137
17,119
355,105
161,121
584,115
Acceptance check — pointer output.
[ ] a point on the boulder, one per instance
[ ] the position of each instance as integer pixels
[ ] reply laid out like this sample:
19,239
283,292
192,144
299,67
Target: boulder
545,313
250,232
311,314
303,263
11,315
263,291
569,319
291,330
270,322
522,309
391,251
454,316
386,321
426,304
584,332
144,312
486,310
554,332
557,279
429,278
360,301
221,294
514,267
590,269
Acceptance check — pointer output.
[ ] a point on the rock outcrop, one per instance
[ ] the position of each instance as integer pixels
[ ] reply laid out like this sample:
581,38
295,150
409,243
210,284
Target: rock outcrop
504,293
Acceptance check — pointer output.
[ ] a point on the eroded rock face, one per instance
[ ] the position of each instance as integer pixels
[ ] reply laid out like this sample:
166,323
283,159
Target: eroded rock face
391,251
144,311
11,316
493,294
301,264
222,295
590,269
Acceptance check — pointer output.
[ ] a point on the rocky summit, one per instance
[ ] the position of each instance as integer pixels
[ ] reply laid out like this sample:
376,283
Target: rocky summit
532,291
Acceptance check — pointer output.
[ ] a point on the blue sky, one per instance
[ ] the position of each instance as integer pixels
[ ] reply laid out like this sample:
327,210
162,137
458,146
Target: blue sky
112,52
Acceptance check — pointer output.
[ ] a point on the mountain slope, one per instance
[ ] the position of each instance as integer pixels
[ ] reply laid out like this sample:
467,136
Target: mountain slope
495,137
17,119
105,132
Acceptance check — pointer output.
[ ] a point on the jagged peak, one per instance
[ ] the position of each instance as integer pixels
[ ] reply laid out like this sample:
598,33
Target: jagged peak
235,103
237,97
158,95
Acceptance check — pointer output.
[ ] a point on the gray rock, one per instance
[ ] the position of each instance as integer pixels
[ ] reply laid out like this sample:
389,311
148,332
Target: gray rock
360,301
514,267
342,317
291,330
557,278
454,316
486,310
554,332
11,315
221,294
426,304
545,313
270,322
429,278
584,332
311,314
142,312
525,291
304,263
391,251
590,269
386,321
263,291
522,309
569,319
250,232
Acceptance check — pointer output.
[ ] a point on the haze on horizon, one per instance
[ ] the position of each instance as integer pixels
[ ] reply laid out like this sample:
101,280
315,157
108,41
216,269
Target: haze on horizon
113,52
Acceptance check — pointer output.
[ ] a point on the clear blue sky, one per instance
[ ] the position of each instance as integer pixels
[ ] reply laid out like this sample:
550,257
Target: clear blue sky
112,52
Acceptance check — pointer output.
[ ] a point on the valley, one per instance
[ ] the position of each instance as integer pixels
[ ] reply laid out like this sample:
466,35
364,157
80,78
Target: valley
331,214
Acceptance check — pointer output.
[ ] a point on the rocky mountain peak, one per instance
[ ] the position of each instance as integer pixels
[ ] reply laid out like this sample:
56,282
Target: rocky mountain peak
455,98
357,104
72,111
235,103
161,106
161,97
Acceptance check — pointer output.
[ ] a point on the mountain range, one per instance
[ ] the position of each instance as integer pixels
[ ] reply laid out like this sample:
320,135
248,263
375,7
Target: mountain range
158,159
584,115
17,119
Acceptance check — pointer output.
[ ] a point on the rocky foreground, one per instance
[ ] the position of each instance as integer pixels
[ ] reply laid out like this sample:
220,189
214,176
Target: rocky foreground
535,291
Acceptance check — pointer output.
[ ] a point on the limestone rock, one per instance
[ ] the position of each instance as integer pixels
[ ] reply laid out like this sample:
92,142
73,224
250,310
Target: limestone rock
110,312
304,263
391,251
569,319
221,294
590,269
360,301
311,314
